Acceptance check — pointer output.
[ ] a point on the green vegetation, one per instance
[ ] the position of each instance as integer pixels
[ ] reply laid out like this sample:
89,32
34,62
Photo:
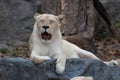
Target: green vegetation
4,51
15,51
9,51
102,33
118,24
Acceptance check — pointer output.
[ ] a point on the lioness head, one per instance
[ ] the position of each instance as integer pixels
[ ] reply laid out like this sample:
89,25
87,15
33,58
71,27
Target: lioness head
47,26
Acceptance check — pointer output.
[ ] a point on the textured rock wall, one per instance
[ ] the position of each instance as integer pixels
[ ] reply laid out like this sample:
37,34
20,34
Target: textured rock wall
113,7
16,20
112,19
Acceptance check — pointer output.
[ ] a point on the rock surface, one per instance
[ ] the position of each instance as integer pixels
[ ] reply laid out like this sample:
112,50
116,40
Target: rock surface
16,20
110,21
22,69
113,7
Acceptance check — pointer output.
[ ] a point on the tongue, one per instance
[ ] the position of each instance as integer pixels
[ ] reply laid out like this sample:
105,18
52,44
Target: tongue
46,36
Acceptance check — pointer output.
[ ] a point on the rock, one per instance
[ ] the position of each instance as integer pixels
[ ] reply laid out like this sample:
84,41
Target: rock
16,20
3,45
106,26
113,7
22,69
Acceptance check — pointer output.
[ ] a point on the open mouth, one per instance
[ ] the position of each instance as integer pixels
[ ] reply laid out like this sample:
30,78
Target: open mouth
46,36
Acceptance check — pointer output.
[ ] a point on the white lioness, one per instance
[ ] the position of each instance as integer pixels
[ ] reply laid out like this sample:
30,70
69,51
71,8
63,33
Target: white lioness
46,42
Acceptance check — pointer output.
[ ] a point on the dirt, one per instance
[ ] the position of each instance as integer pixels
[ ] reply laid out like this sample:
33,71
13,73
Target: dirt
108,49
16,51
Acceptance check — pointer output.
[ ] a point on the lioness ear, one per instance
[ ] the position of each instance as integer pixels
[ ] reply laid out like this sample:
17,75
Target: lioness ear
37,15
60,17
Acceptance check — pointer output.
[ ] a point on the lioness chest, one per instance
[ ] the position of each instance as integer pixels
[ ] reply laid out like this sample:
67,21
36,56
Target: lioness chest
52,50
55,49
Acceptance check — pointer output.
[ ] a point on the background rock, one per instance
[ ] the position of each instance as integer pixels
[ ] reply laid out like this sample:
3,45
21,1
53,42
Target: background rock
112,19
22,69
113,7
16,20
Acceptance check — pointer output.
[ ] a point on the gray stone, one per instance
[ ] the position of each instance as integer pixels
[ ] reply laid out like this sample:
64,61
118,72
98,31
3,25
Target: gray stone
16,20
106,25
22,69
113,7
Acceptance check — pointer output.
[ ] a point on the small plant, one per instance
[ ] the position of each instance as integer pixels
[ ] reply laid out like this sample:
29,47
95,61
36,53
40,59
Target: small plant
4,51
118,24
13,51
14,54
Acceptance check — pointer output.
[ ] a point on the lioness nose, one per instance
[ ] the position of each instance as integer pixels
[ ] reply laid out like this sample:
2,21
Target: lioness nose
45,27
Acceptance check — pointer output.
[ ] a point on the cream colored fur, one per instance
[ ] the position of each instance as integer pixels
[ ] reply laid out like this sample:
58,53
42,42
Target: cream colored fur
56,47
82,78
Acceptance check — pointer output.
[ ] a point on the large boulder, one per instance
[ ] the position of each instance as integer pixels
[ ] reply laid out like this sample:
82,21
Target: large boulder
22,69
16,20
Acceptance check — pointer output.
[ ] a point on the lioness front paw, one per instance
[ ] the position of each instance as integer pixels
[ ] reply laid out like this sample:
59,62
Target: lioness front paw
59,69
46,58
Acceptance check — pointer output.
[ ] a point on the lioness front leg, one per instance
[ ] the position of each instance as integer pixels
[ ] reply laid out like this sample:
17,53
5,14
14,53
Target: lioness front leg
60,64
38,59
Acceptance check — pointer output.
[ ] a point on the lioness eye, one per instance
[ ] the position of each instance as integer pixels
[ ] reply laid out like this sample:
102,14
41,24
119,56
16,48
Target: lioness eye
41,20
51,21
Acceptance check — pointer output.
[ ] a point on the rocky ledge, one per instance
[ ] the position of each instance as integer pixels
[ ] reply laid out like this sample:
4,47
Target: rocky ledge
23,69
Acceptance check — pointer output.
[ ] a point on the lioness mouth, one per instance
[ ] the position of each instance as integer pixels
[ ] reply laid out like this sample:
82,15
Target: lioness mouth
46,36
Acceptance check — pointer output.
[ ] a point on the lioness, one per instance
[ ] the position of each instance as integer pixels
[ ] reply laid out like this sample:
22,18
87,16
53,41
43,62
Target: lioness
46,42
